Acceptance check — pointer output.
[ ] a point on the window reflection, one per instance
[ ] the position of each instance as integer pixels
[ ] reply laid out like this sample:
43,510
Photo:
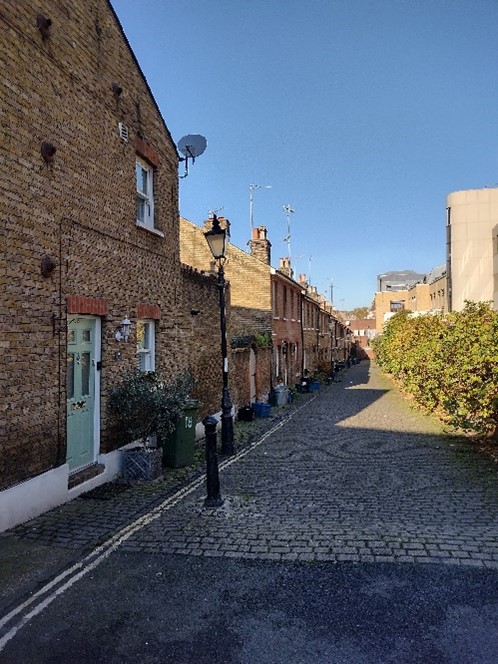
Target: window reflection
141,174
141,213
85,374
145,345
141,335
70,375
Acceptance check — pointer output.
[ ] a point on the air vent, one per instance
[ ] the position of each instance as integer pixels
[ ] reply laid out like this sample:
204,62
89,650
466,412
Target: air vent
123,131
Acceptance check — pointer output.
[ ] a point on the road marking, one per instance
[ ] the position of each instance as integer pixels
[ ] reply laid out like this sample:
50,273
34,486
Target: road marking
102,552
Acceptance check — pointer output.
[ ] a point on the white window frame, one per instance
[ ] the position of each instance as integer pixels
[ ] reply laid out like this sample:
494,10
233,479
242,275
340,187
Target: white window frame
147,356
148,198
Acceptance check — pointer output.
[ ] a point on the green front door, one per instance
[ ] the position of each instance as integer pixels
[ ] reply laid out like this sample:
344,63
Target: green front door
80,391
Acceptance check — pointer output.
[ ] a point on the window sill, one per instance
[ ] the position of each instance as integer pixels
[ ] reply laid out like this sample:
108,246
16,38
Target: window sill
150,229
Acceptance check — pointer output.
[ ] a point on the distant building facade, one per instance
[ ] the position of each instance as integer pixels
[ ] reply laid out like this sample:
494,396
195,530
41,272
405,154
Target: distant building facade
471,247
427,294
387,304
398,280
364,330
419,298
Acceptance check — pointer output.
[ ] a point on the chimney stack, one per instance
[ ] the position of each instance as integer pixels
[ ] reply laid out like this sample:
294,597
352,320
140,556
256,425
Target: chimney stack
259,245
285,267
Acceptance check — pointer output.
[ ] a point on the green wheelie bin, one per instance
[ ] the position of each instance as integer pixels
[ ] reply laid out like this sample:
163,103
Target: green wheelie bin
178,448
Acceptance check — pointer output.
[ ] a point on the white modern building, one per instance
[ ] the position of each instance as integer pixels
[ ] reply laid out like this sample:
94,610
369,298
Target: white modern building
472,247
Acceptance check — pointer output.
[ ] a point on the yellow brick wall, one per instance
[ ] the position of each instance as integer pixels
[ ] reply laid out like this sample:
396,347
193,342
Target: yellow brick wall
80,211
383,301
250,286
419,298
438,294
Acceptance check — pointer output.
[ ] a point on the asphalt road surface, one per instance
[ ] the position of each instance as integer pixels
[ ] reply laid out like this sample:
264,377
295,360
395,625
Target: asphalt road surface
185,610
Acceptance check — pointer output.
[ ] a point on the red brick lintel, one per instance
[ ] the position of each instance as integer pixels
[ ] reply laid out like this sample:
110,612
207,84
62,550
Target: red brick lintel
151,311
77,304
146,151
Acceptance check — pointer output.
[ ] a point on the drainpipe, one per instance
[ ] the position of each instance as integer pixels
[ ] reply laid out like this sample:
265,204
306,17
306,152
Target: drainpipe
60,460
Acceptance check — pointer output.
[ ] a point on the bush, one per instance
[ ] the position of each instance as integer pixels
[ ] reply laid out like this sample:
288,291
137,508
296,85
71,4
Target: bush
447,363
145,405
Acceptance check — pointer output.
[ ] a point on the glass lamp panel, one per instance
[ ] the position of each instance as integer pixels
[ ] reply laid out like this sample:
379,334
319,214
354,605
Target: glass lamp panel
216,243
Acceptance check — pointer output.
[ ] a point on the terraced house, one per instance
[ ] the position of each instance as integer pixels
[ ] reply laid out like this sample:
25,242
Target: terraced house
92,283
249,331
279,327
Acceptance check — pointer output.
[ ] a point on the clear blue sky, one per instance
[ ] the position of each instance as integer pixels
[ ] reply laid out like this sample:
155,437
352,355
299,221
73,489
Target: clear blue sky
362,114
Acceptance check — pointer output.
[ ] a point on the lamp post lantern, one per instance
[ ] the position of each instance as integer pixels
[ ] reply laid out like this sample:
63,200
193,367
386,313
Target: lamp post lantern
217,240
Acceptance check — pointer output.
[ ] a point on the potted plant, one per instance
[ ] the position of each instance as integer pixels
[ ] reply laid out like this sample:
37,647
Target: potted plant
146,409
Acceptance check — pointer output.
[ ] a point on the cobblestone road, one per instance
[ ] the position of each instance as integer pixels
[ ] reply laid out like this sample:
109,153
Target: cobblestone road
352,475
355,475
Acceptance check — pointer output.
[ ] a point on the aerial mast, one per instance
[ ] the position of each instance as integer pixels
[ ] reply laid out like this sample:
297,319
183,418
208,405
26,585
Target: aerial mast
252,187
288,211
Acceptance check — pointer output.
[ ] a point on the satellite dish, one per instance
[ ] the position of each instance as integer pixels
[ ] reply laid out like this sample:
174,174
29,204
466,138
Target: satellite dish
191,146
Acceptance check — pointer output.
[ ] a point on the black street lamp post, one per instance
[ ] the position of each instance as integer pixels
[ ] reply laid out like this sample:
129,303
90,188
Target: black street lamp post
217,241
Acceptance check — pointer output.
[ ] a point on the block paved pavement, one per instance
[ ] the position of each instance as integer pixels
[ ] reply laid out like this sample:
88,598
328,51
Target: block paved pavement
352,474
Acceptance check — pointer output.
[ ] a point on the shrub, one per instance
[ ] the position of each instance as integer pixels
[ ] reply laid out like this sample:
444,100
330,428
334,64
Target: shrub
145,405
447,363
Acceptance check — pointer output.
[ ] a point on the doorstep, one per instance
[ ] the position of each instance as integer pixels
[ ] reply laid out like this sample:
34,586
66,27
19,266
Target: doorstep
85,474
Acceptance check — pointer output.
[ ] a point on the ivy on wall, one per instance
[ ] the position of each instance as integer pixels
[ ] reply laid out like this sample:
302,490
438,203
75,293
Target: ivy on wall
448,363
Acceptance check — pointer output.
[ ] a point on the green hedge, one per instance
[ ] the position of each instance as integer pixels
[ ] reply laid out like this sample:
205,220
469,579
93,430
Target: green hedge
447,362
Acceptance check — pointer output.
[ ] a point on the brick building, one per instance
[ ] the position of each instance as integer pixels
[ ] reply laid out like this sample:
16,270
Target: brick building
363,330
287,331
250,324
429,294
438,291
387,303
326,337
278,326
419,297
90,244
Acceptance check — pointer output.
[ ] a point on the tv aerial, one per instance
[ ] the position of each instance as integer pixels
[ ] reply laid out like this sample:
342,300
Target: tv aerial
191,146
288,211
211,213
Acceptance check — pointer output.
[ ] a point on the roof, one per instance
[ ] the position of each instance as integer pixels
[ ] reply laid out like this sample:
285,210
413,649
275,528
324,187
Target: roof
436,273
